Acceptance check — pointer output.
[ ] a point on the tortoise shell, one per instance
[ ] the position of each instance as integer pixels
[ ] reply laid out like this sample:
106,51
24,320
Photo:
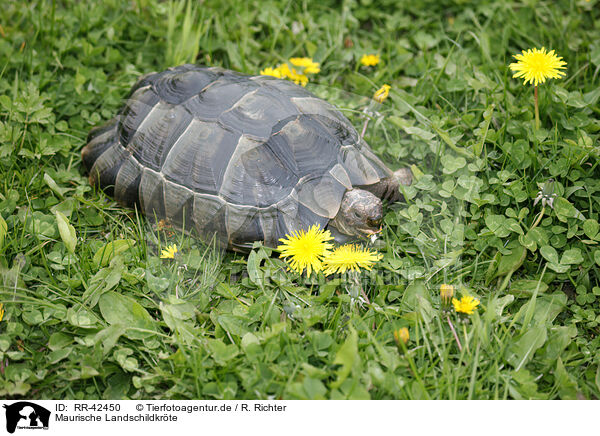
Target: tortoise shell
245,158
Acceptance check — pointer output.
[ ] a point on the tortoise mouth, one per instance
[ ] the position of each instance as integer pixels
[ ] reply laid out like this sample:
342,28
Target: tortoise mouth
371,234
368,232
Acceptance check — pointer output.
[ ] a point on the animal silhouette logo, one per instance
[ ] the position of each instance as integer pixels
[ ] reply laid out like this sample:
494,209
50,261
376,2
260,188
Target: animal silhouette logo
26,415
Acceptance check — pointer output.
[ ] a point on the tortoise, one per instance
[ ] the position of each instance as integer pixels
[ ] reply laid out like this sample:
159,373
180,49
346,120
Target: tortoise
243,158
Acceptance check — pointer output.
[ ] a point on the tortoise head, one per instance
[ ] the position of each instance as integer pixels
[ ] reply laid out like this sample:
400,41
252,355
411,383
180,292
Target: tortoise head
360,214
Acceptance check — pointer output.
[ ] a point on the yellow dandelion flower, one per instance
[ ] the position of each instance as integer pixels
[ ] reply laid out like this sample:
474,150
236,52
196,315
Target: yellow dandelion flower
309,66
465,305
382,93
306,250
535,66
369,60
284,70
169,252
1,311
446,294
312,69
297,78
401,335
350,257
275,72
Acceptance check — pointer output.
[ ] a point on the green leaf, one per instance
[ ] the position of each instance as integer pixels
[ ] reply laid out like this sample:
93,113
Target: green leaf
412,293
32,316
559,338
597,257
452,164
558,267
572,257
534,238
419,133
524,387
58,355
565,210
425,309
549,253
495,308
526,288
109,250
591,98
511,262
59,340
52,185
522,351
222,353
566,386
119,309
528,242
314,389
109,336
233,324
250,340
81,317
103,281
482,131
513,226
590,227
451,143
255,272
156,284
176,316
502,226
346,357
548,307
122,357
67,232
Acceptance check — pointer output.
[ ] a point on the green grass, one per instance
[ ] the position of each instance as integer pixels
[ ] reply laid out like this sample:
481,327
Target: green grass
91,311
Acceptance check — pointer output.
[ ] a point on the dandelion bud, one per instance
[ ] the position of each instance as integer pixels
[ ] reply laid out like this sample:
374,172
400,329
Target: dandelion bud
401,336
446,294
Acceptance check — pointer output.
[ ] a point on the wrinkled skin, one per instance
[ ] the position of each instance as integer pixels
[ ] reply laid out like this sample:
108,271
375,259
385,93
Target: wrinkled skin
360,215
361,211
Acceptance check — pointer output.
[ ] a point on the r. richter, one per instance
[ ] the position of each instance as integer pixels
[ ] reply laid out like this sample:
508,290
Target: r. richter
269,408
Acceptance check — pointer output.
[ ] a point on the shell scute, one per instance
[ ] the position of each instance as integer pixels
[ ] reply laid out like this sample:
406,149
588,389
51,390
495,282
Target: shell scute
135,111
199,158
161,129
255,113
182,85
258,174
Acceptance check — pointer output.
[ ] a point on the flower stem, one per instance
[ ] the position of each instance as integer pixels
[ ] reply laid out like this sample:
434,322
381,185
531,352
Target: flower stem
537,110
364,129
413,369
454,333
539,218
466,338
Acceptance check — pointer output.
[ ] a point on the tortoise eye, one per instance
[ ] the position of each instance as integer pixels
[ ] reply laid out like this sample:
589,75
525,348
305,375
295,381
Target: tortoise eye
374,222
357,215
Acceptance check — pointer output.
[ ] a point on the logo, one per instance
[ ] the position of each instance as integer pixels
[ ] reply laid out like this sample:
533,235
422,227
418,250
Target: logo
26,415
